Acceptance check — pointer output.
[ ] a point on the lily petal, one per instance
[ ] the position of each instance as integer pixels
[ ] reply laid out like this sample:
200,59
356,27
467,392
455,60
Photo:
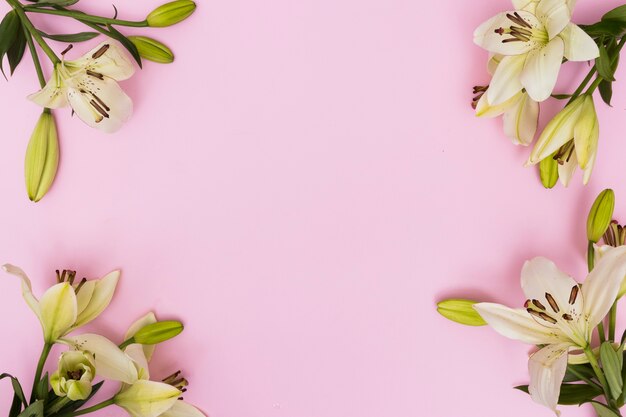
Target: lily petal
100,103
58,311
567,168
111,362
602,285
586,132
488,36
484,109
101,297
554,14
183,409
506,83
107,59
52,95
84,295
547,370
147,398
520,121
578,45
527,5
541,69
149,318
27,291
136,353
517,324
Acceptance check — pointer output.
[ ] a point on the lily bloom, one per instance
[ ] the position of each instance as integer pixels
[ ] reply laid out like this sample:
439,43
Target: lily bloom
89,86
534,39
559,315
67,305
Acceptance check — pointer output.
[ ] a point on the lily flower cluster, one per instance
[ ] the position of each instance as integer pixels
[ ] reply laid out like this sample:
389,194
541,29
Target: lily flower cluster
62,310
527,46
88,85
561,316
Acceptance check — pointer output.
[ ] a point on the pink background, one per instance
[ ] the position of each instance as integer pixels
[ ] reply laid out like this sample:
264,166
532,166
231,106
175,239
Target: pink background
301,187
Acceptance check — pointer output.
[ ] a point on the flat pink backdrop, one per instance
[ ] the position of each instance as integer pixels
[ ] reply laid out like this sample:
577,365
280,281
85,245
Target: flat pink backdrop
301,187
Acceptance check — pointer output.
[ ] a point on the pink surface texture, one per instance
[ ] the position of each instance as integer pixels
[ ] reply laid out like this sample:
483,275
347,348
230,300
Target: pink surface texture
300,187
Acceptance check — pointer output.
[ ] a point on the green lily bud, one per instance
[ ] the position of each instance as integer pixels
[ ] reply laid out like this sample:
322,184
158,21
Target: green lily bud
152,50
549,172
171,13
460,311
158,332
74,375
42,157
600,215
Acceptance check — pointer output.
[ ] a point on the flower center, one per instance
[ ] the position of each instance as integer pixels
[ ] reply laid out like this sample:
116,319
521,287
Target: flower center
522,31
75,375
177,381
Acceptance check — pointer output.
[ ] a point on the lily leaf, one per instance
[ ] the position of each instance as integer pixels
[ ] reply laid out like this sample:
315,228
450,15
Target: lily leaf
75,405
583,369
613,28
18,396
117,35
52,3
612,369
41,390
573,394
71,37
33,410
16,51
603,411
618,13
9,27
603,64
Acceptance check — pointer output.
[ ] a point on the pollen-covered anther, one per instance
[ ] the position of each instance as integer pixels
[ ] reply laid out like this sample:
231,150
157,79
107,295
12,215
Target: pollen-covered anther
516,18
573,294
552,302
567,317
95,74
101,51
99,109
541,315
538,304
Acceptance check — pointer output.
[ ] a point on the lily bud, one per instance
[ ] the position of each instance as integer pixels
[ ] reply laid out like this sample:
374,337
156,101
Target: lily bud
171,13
460,311
152,50
42,157
600,215
74,375
158,332
147,398
549,172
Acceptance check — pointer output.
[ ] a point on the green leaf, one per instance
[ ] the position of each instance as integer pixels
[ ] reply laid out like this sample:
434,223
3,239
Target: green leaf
53,3
115,34
549,172
16,51
71,37
612,28
583,369
606,91
9,27
561,96
18,396
618,14
75,405
573,394
41,390
604,65
33,410
603,411
612,369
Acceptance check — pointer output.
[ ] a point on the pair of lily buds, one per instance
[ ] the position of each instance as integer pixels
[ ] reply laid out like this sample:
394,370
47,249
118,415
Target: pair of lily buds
68,305
528,46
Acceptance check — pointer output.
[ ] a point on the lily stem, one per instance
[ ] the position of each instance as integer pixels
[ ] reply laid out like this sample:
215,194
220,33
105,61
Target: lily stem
19,9
93,408
583,377
42,361
87,17
33,53
582,85
598,80
599,374
612,319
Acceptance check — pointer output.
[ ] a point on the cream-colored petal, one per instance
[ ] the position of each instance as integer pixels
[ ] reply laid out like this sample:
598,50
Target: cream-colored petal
554,14
84,295
493,62
586,132
602,285
136,353
149,318
520,121
113,62
567,168
489,36
484,109
183,409
547,369
147,398
111,362
506,83
27,291
527,5
578,45
518,324
58,311
541,70
102,294
52,95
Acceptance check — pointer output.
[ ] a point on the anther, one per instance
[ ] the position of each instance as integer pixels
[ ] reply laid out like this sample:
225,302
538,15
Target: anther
538,305
541,315
100,102
552,302
58,276
99,109
516,18
101,51
80,285
66,50
95,74
573,294
567,317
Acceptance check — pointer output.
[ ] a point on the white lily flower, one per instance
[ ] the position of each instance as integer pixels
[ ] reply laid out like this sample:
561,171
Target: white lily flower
89,86
559,314
74,376
147,398
67,306
533,39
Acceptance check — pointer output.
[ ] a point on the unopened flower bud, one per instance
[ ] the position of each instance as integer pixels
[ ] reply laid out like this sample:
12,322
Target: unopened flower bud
600,215
74,375
42,157
460,311
158,332
152,50
171,13
549,172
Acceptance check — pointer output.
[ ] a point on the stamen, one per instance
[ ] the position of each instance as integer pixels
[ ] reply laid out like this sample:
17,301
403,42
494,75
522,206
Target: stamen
539,305
516,18
80,285
541,315
101,51
521,31
102,103
99,109
69,48
552,302
567,317
573,294
58,276
95,74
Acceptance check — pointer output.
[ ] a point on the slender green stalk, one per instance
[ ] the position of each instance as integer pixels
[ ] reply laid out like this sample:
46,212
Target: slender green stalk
583,377
598,80
19,9
599,374
35,56
93,408
42,361
582,85
57,404
87,17
127,342
612,319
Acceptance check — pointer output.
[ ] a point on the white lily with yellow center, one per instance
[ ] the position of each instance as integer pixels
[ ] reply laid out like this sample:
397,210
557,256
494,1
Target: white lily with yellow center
66,306
533,39
89,85
559,315
520,113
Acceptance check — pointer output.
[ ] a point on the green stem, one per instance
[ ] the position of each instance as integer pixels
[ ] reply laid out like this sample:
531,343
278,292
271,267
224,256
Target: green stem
19,9
93,408
42,361
127,342
35,56
598,80
57,404
599,374
582,85
87,17
583,377
612,319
